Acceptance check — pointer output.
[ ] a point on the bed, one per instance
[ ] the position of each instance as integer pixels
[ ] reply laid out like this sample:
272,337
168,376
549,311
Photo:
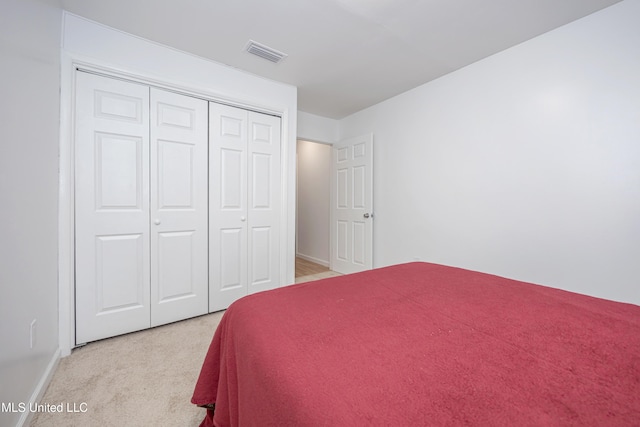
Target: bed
422,344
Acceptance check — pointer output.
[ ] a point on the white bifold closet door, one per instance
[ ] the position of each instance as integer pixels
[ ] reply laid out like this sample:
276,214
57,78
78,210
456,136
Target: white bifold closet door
141,207
244,203
179,207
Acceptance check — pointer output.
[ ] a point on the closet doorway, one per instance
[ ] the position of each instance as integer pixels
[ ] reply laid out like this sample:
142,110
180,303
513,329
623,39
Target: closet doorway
177,205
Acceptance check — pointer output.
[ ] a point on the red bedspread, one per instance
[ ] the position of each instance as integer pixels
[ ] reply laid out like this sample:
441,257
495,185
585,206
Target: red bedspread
423,344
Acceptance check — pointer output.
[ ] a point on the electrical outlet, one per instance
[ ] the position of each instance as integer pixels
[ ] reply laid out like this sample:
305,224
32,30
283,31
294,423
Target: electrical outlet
32,334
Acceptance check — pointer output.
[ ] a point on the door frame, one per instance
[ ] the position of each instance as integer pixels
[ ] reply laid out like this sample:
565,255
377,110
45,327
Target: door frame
332,145
70,62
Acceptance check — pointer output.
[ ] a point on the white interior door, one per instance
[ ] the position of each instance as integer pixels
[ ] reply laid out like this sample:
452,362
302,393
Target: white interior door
263,202
352,205
111,207
244,197
179,206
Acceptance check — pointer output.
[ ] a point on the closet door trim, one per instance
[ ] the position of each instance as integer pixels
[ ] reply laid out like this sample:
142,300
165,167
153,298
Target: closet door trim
177,88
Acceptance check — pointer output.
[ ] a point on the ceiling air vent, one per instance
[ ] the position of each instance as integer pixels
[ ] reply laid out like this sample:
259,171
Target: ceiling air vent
265,52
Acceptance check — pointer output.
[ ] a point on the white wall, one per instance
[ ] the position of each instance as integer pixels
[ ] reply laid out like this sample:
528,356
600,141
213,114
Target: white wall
317,128
314,167
85,41
525,164
29,107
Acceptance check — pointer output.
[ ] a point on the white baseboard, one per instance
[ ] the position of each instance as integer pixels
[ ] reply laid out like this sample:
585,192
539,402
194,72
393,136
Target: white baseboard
312,259
38,393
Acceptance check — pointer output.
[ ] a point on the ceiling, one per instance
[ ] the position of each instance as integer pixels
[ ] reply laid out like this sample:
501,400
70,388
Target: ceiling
343,55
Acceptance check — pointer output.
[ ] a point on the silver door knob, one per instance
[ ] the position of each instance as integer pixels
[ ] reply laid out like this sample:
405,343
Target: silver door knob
156,221
367,215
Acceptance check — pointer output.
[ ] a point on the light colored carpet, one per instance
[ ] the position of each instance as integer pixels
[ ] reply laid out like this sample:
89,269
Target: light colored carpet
141,379
144,378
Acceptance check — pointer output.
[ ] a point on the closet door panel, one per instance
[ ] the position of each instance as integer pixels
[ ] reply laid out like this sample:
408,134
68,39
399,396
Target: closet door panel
264,201
231,180
119,273
231,246
261,256
175,266
179,207
111,207
227,205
